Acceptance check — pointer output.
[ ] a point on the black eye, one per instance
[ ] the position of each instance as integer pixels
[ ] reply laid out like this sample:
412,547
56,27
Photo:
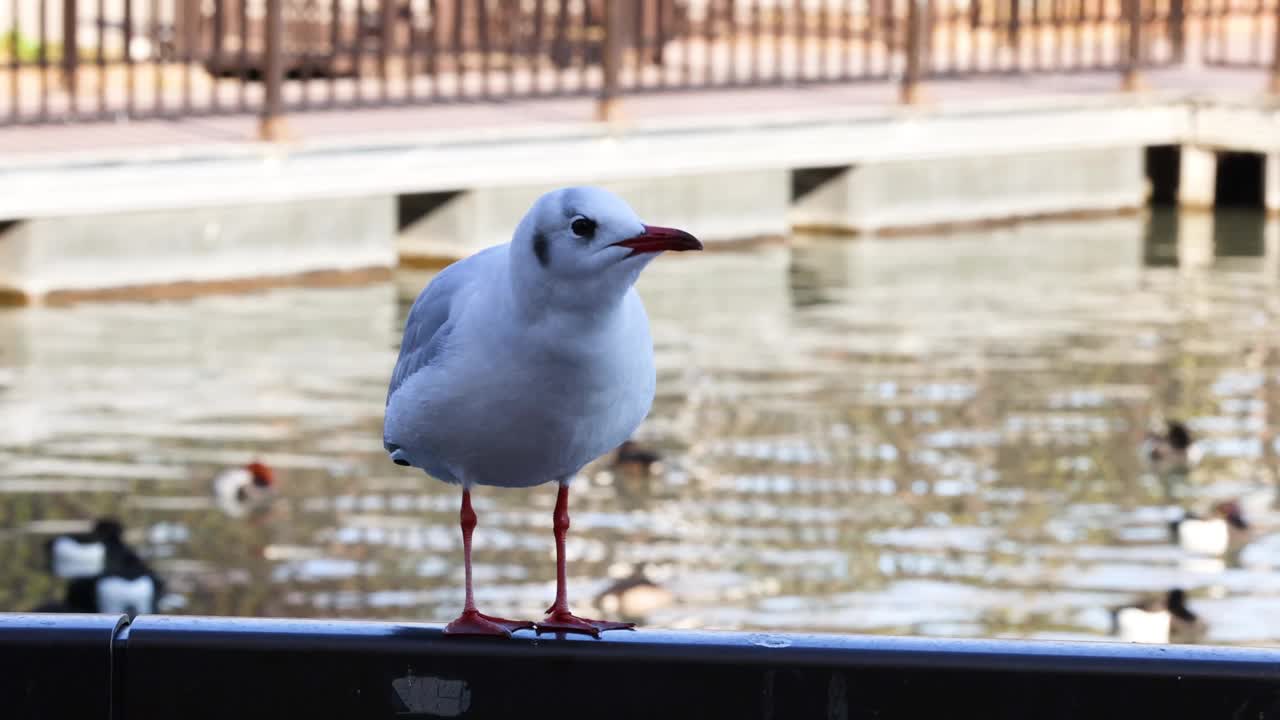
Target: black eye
583,227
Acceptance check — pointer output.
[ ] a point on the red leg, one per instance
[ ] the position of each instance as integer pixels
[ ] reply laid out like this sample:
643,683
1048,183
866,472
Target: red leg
558,616
472,621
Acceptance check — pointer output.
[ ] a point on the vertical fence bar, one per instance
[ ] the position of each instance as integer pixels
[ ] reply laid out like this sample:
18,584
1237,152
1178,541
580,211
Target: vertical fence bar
1177,30
1133,60
218,30
1015,33
583,52
157,60
615,25
271,121
539,46
42,56
1275,53
800,40
824,46
641,51
662,19
357,56
1037,39
560,51
756,31
410,51
1257,21
433,47
459,54
511,16
869,20
975,32
846,42
386,33
1223,24
101,57
483,24
779,39
910,90
731,30
190,34
70,52
708,39
15,68
242,59
335,51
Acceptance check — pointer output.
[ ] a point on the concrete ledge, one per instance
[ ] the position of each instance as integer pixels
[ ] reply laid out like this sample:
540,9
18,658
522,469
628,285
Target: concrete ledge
174,253
975,189
196,219
433,164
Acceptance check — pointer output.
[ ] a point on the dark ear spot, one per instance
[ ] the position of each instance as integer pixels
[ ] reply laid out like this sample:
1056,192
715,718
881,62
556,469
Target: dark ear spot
541,249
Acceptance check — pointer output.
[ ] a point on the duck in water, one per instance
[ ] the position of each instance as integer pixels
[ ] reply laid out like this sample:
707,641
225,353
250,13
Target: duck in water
243,490
634,457
634,597
1158,620
1172,449
1224,531
81,555
104,574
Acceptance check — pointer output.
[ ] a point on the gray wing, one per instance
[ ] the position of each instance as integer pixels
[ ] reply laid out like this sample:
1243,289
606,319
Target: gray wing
430,319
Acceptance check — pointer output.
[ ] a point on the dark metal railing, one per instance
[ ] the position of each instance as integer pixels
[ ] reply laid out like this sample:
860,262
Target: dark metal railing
89,667
85,60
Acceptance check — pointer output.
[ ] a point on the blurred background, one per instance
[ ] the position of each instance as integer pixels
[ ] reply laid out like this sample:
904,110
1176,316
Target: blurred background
983,343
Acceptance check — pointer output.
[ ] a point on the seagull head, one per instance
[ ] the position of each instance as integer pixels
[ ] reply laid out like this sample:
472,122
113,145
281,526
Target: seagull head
586,244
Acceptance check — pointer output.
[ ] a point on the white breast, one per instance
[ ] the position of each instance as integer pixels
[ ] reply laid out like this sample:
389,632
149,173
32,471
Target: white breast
72,559
229,482
117,595
1142,626
1205,537
1195,455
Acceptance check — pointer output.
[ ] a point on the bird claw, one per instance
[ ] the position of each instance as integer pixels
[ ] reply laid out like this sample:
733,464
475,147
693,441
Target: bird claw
474,622
567,622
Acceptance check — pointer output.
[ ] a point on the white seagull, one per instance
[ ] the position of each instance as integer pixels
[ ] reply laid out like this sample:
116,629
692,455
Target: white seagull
525,362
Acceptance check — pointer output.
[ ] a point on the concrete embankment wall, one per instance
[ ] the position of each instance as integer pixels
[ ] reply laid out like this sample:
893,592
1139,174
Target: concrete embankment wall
254,214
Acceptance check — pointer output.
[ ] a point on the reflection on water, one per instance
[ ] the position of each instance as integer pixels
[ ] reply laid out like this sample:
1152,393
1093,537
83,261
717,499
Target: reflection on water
930,435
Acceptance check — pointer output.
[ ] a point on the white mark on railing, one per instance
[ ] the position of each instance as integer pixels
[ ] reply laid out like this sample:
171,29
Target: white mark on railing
432,695
769,641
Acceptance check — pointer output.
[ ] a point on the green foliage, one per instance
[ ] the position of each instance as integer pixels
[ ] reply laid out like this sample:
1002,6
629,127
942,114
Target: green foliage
27,50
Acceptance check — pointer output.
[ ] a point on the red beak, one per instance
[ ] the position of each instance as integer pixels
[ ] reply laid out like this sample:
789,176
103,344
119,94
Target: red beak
656,239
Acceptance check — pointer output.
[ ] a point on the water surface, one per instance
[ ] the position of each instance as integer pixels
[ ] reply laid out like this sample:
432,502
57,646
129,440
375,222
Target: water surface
930,435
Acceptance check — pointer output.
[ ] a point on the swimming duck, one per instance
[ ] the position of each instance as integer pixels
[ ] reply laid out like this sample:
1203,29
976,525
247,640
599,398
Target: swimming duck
1158,620
1224,530
133,589
635,596
632,456
1172,449
244,489
81,555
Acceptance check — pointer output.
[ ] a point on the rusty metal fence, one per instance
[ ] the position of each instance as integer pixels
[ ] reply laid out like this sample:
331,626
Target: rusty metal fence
86,60
1241,33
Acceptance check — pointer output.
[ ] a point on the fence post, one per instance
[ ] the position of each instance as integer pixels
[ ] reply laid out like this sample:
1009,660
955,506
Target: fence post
615,22
1133,63
271,125
1178,30
70,50
909,93
1275,54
